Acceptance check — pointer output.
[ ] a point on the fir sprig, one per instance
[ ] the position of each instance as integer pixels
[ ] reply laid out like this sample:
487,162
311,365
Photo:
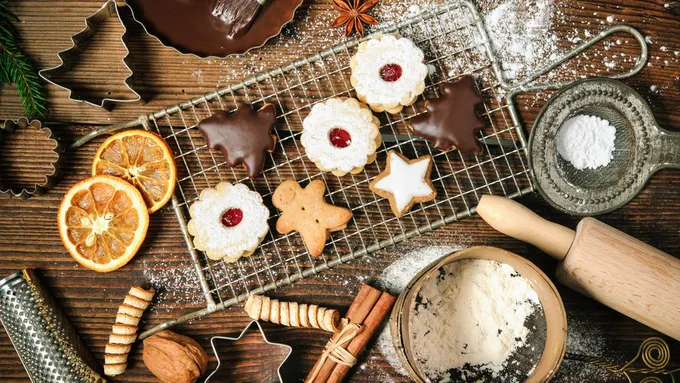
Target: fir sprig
16,68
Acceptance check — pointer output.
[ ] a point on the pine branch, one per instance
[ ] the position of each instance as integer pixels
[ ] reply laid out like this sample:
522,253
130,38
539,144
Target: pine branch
16,68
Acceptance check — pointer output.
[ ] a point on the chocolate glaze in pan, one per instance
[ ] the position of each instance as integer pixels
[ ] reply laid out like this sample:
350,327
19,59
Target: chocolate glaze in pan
190,27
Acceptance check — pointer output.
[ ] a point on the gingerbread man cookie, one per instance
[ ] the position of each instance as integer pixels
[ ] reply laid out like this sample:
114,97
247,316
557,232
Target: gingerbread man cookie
305,211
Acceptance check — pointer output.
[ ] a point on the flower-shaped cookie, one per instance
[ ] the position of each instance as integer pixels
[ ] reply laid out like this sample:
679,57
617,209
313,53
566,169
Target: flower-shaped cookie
388,73
228,222
341,136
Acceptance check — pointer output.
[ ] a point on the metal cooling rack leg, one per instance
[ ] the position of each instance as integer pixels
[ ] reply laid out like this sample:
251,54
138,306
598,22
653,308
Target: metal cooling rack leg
141,120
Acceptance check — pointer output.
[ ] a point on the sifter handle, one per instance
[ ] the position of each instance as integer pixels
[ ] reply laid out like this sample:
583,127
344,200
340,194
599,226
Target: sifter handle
513,219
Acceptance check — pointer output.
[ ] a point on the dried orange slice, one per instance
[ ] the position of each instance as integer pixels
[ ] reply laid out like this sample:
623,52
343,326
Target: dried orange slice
143,159
102,222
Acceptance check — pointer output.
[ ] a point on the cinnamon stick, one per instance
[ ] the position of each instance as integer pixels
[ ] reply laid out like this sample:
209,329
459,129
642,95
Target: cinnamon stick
360,308
370,326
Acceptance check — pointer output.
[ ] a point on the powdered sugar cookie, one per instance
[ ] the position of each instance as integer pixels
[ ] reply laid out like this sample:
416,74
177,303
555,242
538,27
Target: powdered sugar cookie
228,222
405,182
341,136
388,73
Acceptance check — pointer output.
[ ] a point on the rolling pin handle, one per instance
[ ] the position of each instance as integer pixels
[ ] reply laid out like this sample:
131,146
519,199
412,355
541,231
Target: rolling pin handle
513,219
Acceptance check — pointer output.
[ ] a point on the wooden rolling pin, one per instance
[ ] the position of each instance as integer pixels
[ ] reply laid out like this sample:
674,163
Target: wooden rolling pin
599,261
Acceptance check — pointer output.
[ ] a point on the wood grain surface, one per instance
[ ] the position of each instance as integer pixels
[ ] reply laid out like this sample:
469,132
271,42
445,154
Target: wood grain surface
29,236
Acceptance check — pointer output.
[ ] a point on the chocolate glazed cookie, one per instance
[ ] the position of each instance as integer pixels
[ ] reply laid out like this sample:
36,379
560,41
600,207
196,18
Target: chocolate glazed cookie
243,136
451,120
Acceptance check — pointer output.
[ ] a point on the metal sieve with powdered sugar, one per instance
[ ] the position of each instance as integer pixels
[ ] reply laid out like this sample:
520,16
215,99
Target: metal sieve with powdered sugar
470,320
482,314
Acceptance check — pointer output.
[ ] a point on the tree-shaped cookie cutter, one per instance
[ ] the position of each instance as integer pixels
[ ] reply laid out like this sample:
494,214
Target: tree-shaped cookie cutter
50,179
243,333
69,56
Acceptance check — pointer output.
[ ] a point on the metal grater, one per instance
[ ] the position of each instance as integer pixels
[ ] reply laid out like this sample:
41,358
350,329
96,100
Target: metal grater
47,345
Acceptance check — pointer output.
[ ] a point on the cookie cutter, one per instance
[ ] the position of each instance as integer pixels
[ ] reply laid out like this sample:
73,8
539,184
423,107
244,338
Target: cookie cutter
50,178
69,56
264,337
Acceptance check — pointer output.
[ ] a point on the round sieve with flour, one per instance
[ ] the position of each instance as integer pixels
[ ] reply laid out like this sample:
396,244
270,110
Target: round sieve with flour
541,341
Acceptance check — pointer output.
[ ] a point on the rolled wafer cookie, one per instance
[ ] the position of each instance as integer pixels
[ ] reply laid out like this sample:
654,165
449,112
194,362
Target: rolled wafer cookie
293,314
124,331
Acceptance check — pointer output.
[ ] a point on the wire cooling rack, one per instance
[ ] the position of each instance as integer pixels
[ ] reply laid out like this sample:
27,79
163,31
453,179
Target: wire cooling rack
456,44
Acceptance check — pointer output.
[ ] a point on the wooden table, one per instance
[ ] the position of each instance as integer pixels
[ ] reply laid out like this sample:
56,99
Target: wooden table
28,231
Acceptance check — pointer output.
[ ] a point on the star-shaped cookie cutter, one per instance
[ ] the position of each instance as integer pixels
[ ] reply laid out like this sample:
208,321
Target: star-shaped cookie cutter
10,127
264,337
69,55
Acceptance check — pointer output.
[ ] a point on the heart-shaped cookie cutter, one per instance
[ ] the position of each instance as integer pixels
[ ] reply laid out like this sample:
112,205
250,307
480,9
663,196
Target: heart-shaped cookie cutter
70,55
10,127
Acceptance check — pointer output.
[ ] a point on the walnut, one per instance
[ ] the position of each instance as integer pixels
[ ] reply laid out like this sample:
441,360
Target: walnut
174,358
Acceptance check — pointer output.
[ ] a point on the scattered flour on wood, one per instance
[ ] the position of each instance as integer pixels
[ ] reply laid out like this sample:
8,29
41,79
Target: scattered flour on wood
585,337
175,282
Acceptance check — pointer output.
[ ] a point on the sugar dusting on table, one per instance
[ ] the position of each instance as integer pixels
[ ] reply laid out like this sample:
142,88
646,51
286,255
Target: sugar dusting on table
174,282
586,337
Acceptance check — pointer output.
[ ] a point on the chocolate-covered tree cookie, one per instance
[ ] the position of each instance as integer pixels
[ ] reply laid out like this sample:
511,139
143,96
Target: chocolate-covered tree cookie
451,120
243,136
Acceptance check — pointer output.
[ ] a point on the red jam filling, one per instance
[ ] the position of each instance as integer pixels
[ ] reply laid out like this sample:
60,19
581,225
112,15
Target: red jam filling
390,72
340,138
232,217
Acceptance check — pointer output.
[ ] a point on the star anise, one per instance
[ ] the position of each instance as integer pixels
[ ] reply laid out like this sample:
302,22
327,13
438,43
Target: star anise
353,15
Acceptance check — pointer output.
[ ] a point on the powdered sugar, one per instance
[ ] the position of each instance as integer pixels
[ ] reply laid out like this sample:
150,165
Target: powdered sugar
394,279
472,315
586,141
523,43
175,282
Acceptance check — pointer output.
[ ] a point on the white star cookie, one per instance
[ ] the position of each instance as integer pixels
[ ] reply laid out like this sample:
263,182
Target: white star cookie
405,182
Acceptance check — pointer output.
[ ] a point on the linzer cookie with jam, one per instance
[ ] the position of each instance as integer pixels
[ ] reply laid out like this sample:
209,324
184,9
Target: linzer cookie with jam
229,221
451,120
243,136
341,136
388,73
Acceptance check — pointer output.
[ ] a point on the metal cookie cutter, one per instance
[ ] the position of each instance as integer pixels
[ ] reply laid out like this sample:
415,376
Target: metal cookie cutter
264,337
70,55
51,177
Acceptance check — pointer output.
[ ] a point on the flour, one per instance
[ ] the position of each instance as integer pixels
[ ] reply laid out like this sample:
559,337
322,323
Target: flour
586,142
394,279
473,314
